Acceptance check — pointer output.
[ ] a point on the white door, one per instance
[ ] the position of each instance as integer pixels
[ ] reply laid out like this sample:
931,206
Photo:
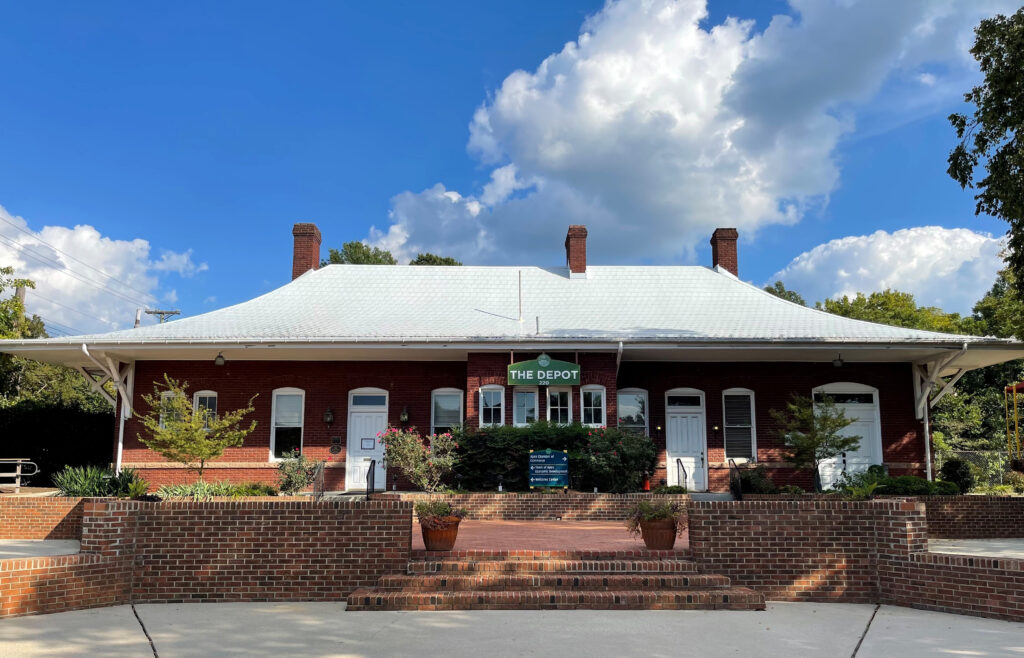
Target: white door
684,441
861,407
363,446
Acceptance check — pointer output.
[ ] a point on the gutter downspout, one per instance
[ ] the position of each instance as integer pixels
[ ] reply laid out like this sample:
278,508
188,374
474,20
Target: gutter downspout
618,360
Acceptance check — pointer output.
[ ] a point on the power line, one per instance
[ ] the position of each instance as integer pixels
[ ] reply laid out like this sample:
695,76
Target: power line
71,273
91,316
61,327
32,235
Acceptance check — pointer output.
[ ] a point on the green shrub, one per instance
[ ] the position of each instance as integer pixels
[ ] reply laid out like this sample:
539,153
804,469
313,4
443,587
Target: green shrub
424,461
1015,480
253,489
862,491
102,482
673,489
791,489
202,490
755,481
959,472
296,473
944,488
905,485
609,459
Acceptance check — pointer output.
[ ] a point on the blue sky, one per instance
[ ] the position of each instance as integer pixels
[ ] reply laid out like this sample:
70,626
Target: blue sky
191,136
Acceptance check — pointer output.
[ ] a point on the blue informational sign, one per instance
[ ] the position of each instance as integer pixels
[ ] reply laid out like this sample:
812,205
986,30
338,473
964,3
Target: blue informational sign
549,468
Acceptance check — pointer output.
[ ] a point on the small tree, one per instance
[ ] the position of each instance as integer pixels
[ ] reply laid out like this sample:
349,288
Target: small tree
811,432
186,434
424,462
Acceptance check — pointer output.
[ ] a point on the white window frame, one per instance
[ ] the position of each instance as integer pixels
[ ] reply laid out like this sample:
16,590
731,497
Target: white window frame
536,403
287,390
448,391
753,426
547,401
164,395
491,388
204,394
590,388
647,407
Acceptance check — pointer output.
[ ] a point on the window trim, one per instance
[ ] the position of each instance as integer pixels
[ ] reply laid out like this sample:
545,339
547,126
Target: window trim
205,394
536,403
448,391
286,390
753,426
164,395
647,408
491,388
590,388
547,406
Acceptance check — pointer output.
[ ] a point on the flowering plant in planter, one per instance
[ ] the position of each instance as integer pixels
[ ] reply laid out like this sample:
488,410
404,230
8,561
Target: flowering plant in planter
658,523
439,523
425,461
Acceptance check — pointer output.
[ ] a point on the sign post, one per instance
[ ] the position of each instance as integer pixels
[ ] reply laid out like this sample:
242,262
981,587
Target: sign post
549,468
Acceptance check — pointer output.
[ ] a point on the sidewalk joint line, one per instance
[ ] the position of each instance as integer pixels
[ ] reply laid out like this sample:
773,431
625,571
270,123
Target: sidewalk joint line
862,635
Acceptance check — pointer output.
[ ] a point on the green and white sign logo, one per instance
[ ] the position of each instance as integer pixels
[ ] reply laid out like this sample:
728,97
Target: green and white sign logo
544,371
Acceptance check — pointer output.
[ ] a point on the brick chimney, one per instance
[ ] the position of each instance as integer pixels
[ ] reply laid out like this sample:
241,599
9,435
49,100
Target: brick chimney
723,249
306,252
576,250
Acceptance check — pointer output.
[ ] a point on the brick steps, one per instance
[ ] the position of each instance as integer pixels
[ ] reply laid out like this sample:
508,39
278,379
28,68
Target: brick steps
553,581
736,598
556,580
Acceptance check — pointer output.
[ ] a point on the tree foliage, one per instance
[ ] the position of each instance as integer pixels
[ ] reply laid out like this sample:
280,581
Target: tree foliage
779,290
992,132
811,432
433,259
186,434
359,253
898,309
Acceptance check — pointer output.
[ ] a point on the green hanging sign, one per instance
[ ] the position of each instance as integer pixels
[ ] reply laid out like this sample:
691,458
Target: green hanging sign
544,371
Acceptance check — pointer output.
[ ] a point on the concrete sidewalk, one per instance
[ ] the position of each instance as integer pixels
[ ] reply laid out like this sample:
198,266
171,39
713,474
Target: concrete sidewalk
324,629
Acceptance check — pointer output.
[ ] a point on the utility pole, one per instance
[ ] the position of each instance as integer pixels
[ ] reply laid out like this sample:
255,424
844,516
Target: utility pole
163,314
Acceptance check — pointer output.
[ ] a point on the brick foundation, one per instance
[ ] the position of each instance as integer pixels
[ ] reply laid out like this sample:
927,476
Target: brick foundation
533,507
40,518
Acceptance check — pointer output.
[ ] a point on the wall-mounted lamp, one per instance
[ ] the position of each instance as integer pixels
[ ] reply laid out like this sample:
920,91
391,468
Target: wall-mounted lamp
404,416
219,361
328,417
838,361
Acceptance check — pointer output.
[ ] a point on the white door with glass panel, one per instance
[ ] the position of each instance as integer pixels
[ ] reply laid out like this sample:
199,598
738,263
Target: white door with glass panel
685,445
367,417
859,403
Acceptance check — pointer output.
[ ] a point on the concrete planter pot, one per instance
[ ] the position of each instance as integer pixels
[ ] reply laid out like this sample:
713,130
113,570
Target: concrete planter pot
440,532
659,535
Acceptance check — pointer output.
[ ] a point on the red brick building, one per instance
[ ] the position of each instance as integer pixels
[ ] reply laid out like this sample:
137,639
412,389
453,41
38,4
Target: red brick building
691,355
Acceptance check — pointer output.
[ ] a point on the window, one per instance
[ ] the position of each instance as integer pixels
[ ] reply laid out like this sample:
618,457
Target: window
287,409
205,400
492,405
445,410
632,409
740,436
559,405
524,410
165,407
592,405
369,400
683,401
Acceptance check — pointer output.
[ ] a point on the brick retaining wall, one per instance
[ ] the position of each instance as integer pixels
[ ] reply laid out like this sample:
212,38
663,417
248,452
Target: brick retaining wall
250,550
975,517
516,506
24,517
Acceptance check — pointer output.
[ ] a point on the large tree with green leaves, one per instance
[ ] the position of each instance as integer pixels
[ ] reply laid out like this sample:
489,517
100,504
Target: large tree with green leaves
190,434
779,290
433,259
359,253
898,309
990,136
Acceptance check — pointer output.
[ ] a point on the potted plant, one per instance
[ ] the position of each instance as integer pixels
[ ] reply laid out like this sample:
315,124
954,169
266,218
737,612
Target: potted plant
439,523
658,523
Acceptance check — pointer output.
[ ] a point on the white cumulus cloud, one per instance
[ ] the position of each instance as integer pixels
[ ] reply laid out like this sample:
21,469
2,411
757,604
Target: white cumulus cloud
85,281
943,267
653,128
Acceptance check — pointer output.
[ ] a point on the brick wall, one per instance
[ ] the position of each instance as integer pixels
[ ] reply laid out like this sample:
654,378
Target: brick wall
40,518
792,550
532,506
975,517
245,550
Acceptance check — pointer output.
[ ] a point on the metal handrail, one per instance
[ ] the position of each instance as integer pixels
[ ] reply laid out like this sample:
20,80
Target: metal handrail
684,479
735,481
371,479
19,473
318,482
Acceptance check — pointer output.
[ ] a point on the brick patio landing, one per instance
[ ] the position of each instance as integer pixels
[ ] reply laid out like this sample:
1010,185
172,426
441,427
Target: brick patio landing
544,536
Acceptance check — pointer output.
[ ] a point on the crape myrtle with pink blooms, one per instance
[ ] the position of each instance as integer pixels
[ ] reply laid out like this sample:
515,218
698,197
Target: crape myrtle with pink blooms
424,461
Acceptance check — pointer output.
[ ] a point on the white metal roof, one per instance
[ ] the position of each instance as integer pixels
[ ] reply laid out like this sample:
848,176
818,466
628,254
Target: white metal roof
368,303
